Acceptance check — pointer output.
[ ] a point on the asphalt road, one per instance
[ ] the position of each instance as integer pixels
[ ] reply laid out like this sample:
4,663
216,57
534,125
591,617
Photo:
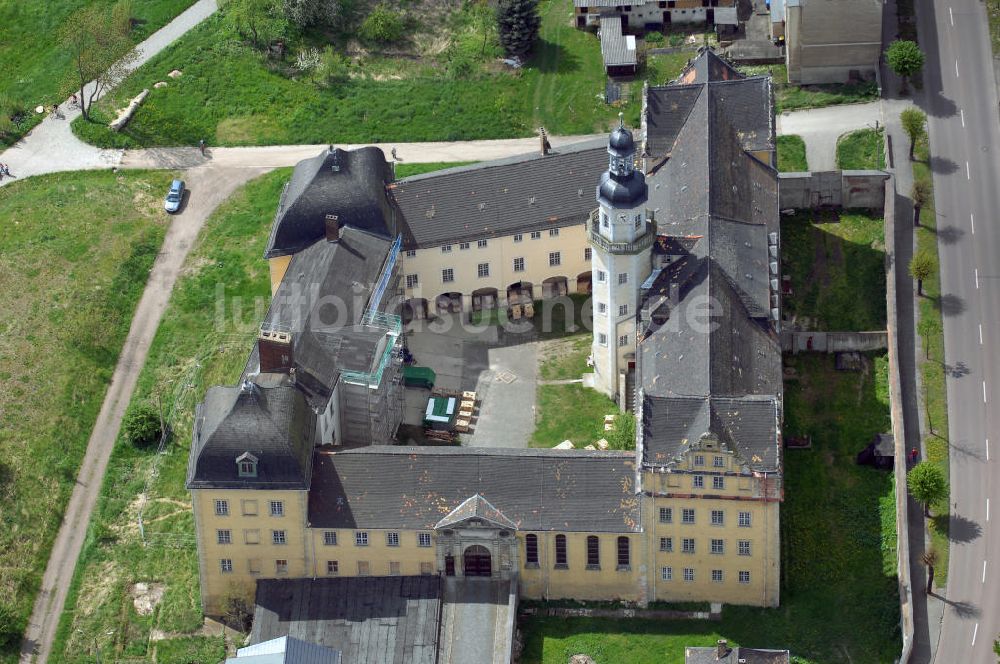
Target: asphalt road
961,101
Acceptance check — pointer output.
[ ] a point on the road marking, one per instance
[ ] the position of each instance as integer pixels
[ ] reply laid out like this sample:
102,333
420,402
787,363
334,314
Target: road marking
968,173
984,391
975,630
962,113
957,75
984,571
987,449
972,220
977,278
951,16
987,509
980,334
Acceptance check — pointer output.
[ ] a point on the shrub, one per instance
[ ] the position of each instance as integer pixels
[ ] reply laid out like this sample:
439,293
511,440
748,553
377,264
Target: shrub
382,25
10,626
308,13
654,37
142,426
333,67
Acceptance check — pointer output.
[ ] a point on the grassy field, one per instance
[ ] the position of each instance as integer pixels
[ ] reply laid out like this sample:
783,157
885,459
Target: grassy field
75,254
933,368
570,412
232,95
34,69
993,15
189,354
788,97
566,358
839,602
792,154
863,149
837,270
406,170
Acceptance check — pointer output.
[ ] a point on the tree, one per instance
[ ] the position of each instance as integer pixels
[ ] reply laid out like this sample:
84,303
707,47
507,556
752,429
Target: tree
914,124
920,194
97,42
310,13
142,425
308,61
256,21
10,626
382,25
922,266
930,559
333,67
927,484
517,25
905,58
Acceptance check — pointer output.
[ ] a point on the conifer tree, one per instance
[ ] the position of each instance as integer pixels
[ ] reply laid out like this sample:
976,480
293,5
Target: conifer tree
517,24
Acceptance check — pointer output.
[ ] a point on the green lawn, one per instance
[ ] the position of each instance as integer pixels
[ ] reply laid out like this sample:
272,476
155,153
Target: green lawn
192,351
75,254
861,150
792,154
34,69
993,14
788,97
570,412
837,270
838,604
566,358
231,95
932,369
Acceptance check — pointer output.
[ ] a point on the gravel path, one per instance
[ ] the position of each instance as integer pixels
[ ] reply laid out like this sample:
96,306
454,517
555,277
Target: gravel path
821,127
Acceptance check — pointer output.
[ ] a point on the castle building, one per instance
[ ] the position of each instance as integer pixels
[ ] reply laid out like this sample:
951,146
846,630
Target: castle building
294,473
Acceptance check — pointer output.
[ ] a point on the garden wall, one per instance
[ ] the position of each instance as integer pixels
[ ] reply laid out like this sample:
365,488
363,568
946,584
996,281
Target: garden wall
832,189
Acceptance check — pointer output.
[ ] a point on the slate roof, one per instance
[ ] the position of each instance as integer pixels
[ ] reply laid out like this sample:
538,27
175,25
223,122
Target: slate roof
706,337
273,423
285,650
476,507
377,620
348,183
320,302
614,46
748,426
415,487
737,655
503,197
746,101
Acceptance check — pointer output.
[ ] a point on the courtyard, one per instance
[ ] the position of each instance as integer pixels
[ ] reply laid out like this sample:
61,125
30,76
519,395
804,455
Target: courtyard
529,376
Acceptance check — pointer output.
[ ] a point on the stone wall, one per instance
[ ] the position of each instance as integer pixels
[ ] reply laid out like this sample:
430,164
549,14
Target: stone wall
796,341
832,189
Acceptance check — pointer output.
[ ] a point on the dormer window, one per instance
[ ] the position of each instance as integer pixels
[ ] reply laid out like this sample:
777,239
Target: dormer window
246,465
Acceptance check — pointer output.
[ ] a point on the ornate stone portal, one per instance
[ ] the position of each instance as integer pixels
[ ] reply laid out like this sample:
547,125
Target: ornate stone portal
477,540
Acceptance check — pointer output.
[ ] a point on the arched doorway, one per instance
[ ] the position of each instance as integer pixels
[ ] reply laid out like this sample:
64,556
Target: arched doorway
520,292
478,561
448,302
583,284
414,309
485,298
555,287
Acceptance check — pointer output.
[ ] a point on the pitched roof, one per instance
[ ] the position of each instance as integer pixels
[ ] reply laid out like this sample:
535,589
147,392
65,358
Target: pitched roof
348,183
520,194
389,620
705,329
321,302
747,426
614,45
272,423
569,490
746,102
476,507
285,650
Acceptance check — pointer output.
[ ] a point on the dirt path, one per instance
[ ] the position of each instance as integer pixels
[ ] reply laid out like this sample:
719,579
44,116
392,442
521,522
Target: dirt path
210,186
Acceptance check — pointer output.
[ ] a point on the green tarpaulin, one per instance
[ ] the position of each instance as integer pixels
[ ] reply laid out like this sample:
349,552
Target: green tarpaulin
419,377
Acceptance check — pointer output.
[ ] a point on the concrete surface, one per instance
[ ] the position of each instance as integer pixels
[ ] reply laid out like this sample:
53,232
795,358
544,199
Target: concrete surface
475,616
508,390
960,98
821,127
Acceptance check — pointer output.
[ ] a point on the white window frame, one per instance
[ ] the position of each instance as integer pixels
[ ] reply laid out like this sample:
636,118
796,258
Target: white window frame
719,483
718,517
745,520
553,232
688,516
278,537
332,568
447,275
392,538
536,235
688,545
483,270
623,310
445,248
602,276
689,574
623,341
717,576
482,244
699,459
555,258
518,237
718,461
462,246
744,548
221,507
602,308
226,565
412,280
602,339
698,482
667,544
423,540
361,538
276,507
223,536
744,576
519,264
588,253
666,515
622,278
329,538
718,547
666,573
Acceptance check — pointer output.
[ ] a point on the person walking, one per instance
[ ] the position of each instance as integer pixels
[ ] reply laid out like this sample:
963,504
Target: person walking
201,146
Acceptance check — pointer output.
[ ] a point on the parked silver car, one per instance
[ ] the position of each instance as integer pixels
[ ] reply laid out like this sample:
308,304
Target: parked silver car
174,196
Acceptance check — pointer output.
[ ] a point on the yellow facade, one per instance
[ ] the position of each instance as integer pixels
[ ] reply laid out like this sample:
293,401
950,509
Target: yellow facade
253,549
422,268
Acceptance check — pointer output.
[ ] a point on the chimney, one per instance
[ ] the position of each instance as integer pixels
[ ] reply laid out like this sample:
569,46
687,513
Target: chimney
721,649
275,351
332,228
544,141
